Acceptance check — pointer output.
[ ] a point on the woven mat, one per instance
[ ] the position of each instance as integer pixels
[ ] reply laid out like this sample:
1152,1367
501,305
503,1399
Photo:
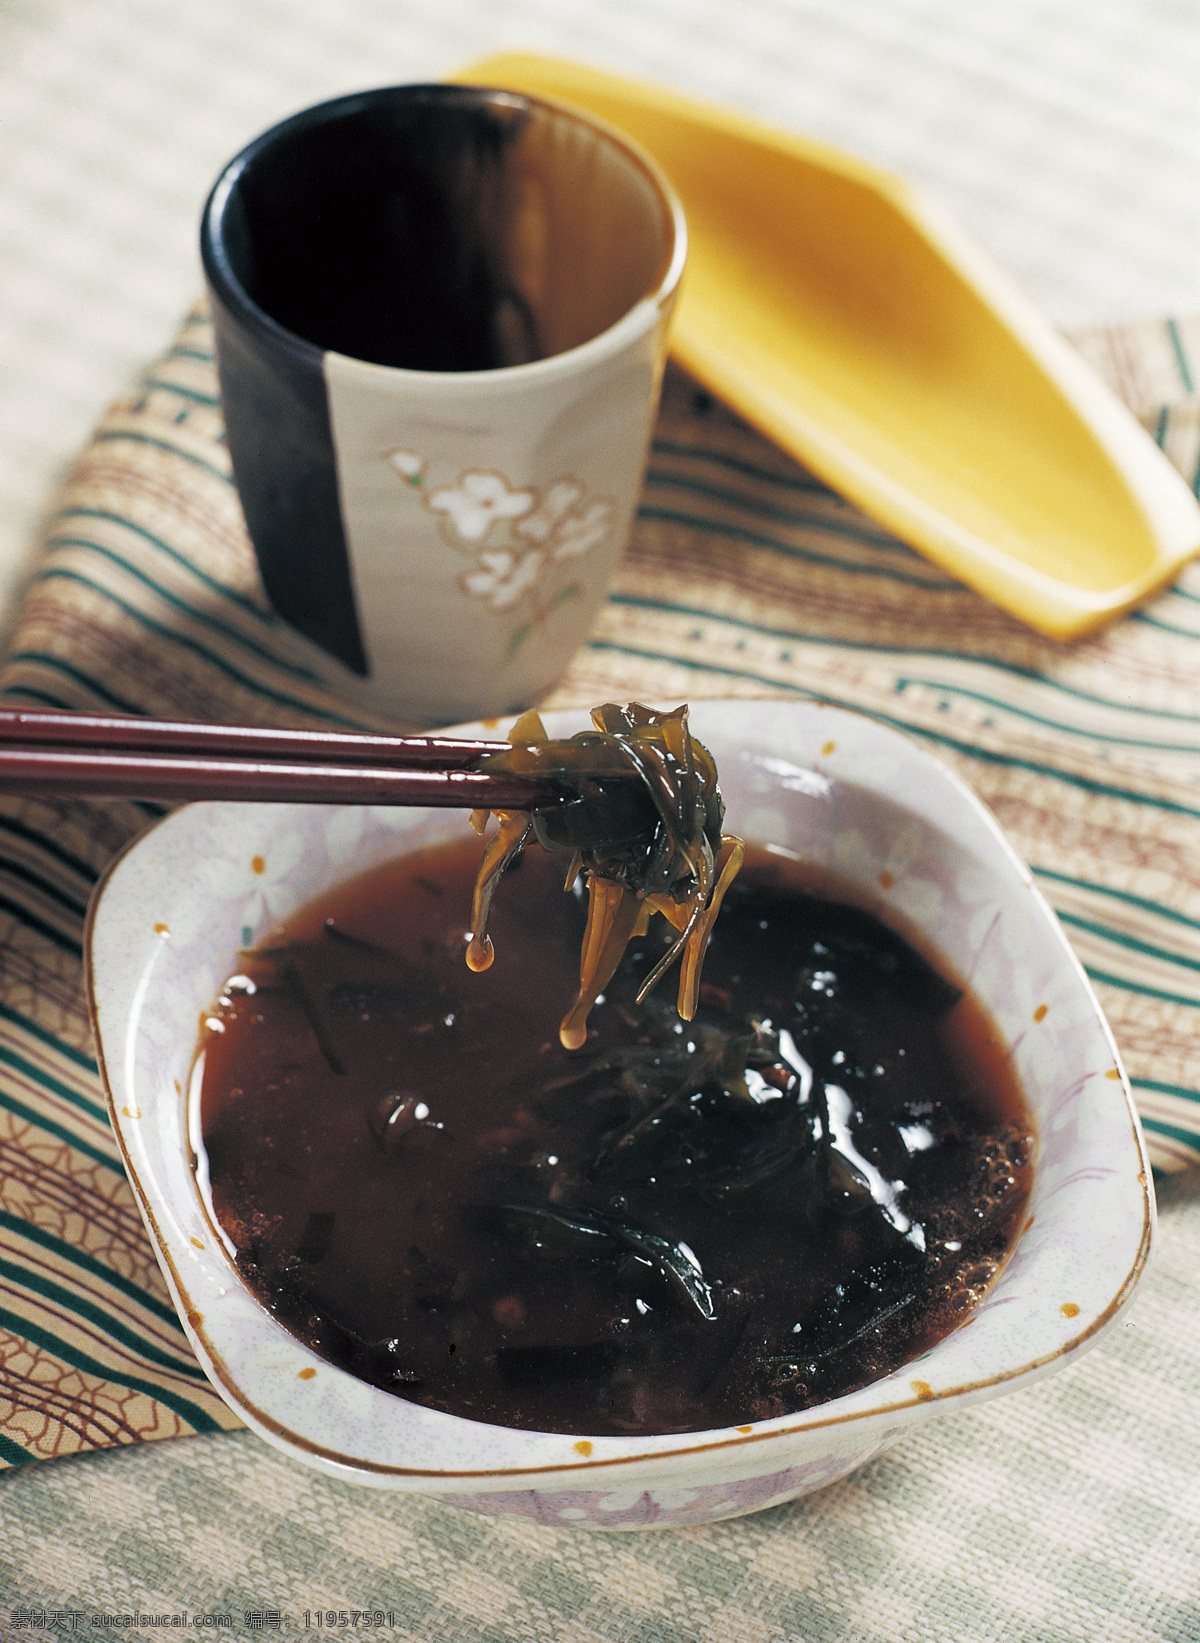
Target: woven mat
744,577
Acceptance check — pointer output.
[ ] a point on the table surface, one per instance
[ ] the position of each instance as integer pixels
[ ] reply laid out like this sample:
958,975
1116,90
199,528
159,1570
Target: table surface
1066,140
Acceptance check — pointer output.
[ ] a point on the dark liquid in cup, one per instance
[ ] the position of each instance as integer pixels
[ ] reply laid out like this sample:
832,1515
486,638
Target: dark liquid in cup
381,234
440,228
681,1227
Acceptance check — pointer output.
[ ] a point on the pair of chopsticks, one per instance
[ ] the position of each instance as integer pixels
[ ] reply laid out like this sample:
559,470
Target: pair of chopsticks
57,755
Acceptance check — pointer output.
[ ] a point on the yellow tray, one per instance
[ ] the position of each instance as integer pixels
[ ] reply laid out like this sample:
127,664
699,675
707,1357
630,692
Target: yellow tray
844,316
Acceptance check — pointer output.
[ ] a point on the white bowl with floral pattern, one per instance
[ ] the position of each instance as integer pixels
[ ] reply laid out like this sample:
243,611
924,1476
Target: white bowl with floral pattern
845,793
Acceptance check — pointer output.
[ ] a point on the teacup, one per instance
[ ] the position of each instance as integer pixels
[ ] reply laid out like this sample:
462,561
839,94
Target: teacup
441,317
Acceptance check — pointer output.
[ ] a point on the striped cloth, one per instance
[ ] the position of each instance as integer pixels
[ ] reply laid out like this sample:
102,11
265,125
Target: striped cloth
744,577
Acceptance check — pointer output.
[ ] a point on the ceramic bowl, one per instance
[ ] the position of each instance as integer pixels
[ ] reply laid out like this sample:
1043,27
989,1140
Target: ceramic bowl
842,791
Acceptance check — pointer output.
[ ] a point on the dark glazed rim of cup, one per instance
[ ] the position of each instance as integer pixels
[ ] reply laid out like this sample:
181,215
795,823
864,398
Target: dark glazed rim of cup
218,266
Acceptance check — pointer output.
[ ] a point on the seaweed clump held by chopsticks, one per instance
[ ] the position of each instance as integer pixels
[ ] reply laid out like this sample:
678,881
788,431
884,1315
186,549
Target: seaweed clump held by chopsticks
642,821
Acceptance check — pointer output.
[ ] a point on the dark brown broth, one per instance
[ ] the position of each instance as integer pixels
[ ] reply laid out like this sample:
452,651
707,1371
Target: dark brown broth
420,1182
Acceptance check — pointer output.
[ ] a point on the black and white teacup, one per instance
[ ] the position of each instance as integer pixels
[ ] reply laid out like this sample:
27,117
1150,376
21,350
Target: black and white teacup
441,316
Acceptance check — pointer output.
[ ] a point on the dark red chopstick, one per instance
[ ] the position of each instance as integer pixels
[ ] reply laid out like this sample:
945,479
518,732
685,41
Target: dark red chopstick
123,731
55,755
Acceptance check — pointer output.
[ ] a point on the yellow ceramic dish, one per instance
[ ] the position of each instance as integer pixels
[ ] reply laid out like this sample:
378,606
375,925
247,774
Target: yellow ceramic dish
841,313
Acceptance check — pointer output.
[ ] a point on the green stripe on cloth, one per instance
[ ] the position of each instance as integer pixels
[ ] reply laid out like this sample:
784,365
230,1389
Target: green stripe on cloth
71,1302
18,829
53,1086
914,727
982,666
43,887
59,664
21,914
1185,1153
194,1415
227,595
63,1129
746,534
844,529
193,613
158,442
160,383
161,629
12,1454
1090,887
1131,943
1185,370
41,1035
1145,990
70,1256
744,576
1059,726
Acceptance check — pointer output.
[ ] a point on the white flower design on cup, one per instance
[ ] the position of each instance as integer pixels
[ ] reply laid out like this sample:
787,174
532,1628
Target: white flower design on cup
582,530
479,501
502,576
514,534
564,523
408,465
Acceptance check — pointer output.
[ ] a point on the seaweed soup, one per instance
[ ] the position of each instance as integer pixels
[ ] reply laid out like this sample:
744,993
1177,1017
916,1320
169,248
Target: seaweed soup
679,1227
